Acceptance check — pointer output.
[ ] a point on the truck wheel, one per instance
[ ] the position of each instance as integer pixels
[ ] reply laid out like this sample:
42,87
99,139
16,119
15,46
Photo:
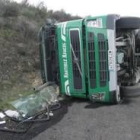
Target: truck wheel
116,97
128,22
131,91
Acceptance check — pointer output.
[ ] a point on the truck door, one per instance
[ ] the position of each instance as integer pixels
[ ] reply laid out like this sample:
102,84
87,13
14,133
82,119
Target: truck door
97,59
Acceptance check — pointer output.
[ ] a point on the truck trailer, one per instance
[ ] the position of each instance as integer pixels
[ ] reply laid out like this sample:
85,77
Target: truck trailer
94,57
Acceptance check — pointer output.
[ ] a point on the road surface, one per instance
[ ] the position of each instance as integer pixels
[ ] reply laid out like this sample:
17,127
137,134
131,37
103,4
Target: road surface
80,119
86,121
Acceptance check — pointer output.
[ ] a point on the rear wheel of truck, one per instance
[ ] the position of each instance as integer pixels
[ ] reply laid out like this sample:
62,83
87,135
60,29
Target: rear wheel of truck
131,91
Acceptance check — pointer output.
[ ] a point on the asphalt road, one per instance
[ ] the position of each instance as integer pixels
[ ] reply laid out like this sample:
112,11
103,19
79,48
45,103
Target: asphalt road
80,119
86,121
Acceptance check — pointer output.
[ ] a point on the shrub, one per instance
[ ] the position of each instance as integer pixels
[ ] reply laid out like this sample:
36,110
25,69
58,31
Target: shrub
27,28
61,15
1,22
41,10
10,9
29,13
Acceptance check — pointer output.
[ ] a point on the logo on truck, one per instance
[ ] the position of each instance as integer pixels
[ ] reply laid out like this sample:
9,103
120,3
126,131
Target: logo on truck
64,57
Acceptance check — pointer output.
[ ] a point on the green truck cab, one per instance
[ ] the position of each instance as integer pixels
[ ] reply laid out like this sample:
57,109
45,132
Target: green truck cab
91,57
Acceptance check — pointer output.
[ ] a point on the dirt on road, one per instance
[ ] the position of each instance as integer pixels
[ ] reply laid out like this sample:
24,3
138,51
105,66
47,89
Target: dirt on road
82,120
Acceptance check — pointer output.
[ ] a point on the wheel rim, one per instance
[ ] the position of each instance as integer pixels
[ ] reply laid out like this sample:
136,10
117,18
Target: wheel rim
118,97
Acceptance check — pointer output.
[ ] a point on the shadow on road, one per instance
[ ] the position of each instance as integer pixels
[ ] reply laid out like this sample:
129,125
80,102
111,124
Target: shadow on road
96,105
92,105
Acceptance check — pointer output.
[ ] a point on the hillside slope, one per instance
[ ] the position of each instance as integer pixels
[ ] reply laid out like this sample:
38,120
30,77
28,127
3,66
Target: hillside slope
19,52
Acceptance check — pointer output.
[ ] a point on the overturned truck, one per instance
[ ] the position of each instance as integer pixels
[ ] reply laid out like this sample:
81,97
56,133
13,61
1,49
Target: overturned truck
95,57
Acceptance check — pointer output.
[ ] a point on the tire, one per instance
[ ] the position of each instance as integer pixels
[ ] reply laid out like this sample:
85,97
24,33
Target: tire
116,97
128,22
131,91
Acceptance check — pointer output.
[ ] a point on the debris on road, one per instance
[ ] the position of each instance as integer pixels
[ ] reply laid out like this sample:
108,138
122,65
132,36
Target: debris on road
12,113
37,107
39,101
51,114
2,122
2,115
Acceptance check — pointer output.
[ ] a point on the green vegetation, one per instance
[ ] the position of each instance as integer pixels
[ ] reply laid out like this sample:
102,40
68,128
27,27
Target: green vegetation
19,54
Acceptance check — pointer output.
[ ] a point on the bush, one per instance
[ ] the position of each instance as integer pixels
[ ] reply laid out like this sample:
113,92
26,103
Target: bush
7,34
2,23
61,15
28,13
27,28
41,10
36,13
9,9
